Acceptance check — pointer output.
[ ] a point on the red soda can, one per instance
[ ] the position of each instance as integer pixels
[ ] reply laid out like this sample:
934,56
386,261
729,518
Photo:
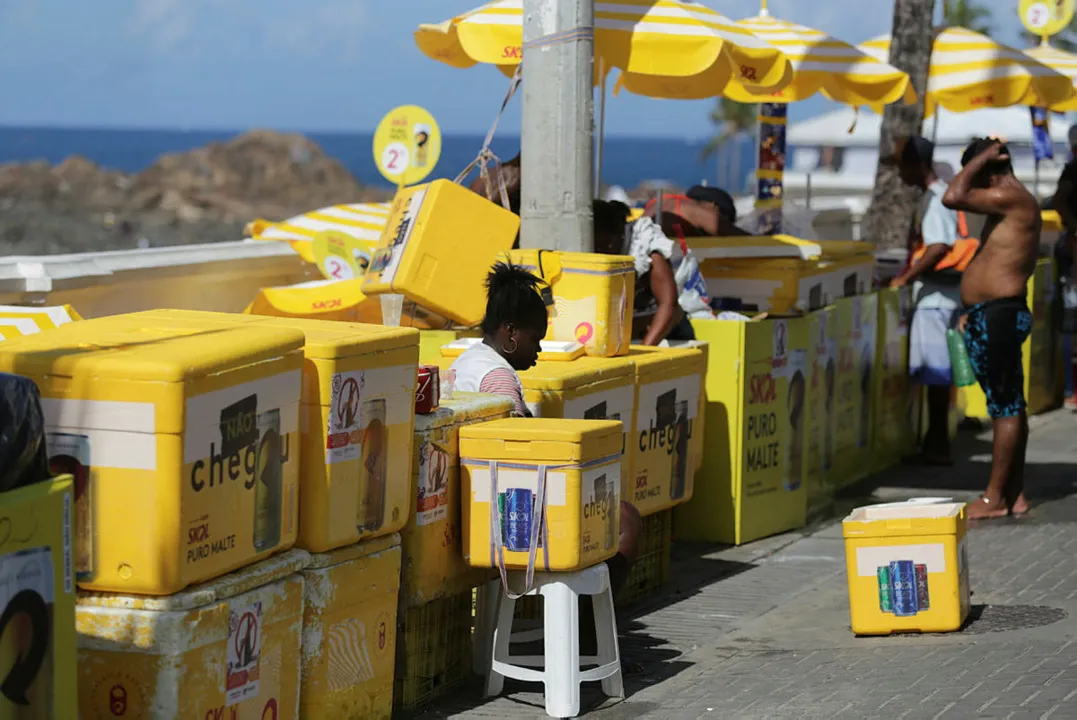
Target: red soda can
427,394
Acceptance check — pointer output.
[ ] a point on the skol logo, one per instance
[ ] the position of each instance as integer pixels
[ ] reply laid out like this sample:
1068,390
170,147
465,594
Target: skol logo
512,52
762,389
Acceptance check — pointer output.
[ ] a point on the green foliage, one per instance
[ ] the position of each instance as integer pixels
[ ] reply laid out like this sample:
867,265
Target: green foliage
731,118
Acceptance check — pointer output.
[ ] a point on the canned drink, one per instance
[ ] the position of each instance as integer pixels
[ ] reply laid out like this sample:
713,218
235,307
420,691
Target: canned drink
518,516
886,596
428,390
903,584
923,597
267,482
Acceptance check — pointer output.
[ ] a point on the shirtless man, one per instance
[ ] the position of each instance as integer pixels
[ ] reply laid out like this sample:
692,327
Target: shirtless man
997,318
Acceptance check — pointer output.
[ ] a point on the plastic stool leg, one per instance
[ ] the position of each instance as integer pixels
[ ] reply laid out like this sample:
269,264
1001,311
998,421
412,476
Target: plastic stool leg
561,622
486,611
495,681
608,649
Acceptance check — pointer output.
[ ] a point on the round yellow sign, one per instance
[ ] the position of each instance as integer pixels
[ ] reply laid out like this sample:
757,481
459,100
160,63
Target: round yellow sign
407,145
334,255
1046,17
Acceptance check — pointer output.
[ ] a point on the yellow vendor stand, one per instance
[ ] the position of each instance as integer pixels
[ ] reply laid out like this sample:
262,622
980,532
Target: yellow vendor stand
1041,354
819,479
894,432
750,485
856,319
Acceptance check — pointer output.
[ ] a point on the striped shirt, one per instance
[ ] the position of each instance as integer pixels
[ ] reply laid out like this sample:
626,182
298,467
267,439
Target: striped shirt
506,383
482,369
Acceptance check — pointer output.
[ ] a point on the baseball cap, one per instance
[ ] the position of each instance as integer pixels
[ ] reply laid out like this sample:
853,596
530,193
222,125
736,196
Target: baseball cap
715,196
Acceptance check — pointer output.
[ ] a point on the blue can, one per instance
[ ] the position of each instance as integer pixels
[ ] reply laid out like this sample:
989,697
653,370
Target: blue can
903,582
517,519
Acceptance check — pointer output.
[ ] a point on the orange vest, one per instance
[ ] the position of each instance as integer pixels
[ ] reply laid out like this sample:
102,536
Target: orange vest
960,255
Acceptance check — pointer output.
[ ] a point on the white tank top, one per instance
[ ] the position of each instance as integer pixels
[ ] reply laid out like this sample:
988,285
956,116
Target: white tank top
474,364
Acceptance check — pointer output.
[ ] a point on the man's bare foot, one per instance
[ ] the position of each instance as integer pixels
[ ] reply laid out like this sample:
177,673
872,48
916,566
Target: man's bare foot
986,509
1020,506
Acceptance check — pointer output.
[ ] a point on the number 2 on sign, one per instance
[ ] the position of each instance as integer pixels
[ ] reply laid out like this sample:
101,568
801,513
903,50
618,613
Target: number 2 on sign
395,158
337,269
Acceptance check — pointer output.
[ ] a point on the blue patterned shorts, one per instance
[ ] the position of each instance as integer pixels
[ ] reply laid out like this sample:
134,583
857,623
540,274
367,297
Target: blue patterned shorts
994,333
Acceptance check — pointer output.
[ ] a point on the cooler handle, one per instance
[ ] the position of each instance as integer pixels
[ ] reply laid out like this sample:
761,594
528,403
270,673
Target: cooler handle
497,544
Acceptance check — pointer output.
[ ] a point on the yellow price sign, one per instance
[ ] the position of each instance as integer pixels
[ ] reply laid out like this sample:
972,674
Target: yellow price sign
407,145
334,255
1046,17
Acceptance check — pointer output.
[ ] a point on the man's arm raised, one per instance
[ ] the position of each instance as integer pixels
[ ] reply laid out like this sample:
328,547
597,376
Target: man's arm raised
961,195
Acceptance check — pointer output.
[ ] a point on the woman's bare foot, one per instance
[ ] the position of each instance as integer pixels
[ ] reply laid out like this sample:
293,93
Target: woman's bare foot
1020,506
987,509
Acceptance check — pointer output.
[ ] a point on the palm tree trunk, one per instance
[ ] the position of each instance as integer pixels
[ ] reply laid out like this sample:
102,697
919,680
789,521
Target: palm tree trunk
893,203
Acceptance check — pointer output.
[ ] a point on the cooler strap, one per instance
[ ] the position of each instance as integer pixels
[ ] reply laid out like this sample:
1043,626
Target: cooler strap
538,529
486,154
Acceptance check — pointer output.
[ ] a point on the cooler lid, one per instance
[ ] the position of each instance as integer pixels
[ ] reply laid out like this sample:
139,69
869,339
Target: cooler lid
332,340
319,561
556,350
541,440
123,350
553,261
670,362
463,407
761,246
560,376
207,593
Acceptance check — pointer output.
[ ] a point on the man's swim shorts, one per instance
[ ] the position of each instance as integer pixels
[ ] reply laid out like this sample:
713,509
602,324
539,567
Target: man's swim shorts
994,333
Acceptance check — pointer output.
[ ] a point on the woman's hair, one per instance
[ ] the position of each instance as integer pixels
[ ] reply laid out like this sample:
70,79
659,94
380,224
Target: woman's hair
512,296
610,216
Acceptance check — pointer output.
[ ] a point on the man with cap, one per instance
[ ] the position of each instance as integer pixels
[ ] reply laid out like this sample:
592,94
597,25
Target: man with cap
1065,250
937,294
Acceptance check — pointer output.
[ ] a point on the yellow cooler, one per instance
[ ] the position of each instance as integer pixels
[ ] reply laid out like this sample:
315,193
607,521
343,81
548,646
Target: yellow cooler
349,631
821,428
541,492
190,441
667,436
593,296
438,247
17,321
433,560
37,597
857,321
908,568
227,649
339,300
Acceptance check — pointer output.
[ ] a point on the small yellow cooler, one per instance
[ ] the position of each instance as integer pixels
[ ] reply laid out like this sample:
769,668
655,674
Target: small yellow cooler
433,560
37,594
593,296
907,567
667,442
349,631
190,441
438,247
541,492
228,648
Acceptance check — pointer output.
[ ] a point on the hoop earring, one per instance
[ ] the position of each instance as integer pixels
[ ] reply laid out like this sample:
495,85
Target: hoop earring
515,346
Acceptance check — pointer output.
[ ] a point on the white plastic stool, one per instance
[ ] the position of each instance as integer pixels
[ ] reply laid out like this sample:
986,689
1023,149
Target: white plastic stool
561,661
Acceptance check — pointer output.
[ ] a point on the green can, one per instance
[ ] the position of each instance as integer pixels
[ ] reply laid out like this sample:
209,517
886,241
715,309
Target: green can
886,597
959,359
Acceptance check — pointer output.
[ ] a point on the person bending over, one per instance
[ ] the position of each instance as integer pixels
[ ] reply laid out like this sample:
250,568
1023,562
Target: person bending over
997,319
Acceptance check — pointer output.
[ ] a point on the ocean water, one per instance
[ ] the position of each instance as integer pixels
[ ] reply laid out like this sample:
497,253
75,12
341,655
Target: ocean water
628,161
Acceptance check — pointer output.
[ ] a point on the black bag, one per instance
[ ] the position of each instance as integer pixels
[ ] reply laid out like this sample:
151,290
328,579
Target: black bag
23,451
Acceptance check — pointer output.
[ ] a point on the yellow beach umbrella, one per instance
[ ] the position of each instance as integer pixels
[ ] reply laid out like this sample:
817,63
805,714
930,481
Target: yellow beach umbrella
362,221
970,71
823,64
664,38
1059,61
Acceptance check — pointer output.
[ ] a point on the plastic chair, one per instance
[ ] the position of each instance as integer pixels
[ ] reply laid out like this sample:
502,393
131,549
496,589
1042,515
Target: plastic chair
560,666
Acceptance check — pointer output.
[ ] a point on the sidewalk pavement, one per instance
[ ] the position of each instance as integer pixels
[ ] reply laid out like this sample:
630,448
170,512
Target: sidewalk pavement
762,631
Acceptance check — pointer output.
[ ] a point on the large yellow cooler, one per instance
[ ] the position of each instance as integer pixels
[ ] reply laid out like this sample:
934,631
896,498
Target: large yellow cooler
820,428
17,321
666,446
587,388
190,441
1041,354
37,598
857,323
750,485
226,649
908,568
593,297
438,247
349,631
893,435
433,560
541,492
358,403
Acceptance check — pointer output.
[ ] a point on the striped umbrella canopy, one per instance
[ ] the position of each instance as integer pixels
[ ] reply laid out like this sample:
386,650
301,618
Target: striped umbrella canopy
362,221
693,47
823,64
1059,61
970,71
16,321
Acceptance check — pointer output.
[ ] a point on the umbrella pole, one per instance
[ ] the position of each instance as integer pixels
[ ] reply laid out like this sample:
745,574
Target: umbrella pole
1036,181
601,145
935,127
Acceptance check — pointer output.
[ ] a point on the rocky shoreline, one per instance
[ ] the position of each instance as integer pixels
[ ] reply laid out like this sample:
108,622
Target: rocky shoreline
206,195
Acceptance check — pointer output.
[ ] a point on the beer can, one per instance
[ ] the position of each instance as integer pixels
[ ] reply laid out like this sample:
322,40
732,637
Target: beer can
516,521
923,599
903,584
886,597
428,390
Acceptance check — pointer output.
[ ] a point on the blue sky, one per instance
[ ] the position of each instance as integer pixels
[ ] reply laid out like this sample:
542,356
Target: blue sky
334,65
